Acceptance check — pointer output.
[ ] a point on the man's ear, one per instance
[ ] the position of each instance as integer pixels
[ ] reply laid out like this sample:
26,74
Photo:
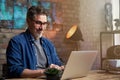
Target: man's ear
27,20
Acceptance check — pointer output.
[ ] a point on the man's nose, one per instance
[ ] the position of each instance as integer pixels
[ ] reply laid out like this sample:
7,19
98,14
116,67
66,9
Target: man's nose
40,27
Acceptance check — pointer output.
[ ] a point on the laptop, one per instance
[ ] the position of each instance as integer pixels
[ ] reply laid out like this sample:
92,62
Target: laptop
79,64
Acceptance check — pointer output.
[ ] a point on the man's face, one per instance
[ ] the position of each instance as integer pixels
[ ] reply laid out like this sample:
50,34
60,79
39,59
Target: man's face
37,25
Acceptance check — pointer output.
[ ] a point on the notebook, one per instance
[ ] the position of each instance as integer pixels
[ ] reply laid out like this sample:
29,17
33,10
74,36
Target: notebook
79,64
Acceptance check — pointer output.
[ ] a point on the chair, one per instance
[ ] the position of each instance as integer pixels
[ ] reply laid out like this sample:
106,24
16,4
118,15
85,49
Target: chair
112,59
4,70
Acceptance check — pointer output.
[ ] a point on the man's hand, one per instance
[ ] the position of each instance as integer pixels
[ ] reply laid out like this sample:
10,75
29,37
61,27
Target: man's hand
57,67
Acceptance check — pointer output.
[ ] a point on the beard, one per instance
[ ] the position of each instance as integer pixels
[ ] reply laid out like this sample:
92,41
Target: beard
38,34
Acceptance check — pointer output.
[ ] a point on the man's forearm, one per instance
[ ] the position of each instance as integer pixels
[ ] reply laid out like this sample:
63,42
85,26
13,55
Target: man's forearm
27,73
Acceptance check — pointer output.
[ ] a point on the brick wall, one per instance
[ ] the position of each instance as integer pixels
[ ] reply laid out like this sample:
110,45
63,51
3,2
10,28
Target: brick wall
87,14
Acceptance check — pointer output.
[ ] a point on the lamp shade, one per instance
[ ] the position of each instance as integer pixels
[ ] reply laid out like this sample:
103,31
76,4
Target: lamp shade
74,34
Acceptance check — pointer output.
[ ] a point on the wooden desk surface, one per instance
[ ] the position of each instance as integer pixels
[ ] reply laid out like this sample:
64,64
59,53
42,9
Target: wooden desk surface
100,75
93,75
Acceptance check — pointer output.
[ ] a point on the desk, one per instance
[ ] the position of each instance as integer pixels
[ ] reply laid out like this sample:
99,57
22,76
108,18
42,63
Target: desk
93,75
100,75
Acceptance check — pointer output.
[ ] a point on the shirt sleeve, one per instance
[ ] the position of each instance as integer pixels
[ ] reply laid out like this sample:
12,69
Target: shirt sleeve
14,58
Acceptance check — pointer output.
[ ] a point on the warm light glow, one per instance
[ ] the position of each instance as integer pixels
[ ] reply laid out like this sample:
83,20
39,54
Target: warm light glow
74,34
71,31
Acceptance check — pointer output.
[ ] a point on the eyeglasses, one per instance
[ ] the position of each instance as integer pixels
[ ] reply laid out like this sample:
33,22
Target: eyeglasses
40,23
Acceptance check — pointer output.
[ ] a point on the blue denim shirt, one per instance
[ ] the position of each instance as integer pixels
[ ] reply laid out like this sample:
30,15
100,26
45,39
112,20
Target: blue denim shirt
21,54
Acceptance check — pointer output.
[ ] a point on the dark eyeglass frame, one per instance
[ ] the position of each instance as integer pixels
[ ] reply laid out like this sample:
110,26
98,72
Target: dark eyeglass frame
40,23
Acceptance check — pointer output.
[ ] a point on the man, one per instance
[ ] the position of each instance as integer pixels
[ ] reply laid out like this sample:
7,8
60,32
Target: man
29,54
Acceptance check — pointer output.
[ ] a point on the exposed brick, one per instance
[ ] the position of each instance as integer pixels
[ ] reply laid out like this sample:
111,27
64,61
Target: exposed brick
2,61
2,57
2,51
